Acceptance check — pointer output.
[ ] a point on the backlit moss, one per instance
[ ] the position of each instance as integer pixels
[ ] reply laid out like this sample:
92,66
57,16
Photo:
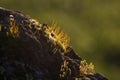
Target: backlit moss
86,68
57,36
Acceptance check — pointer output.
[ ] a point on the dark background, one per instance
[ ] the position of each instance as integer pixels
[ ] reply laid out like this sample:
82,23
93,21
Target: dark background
93,25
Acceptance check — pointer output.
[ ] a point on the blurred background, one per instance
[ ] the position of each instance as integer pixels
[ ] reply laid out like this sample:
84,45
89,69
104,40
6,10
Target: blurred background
93,25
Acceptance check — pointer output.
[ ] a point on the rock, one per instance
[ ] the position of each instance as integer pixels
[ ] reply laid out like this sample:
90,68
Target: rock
30,50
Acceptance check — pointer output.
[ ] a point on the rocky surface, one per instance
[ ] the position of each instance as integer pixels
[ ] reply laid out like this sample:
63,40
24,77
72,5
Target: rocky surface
30,50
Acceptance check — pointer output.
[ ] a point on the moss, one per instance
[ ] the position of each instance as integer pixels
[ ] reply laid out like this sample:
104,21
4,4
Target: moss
13,28
58,37
86,69
65,70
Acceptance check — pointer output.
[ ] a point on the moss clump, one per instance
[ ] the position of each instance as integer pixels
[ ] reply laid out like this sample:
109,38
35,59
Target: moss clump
58,37
86,69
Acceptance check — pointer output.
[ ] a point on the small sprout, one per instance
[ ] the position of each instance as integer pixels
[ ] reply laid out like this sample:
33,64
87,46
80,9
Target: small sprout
86,68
